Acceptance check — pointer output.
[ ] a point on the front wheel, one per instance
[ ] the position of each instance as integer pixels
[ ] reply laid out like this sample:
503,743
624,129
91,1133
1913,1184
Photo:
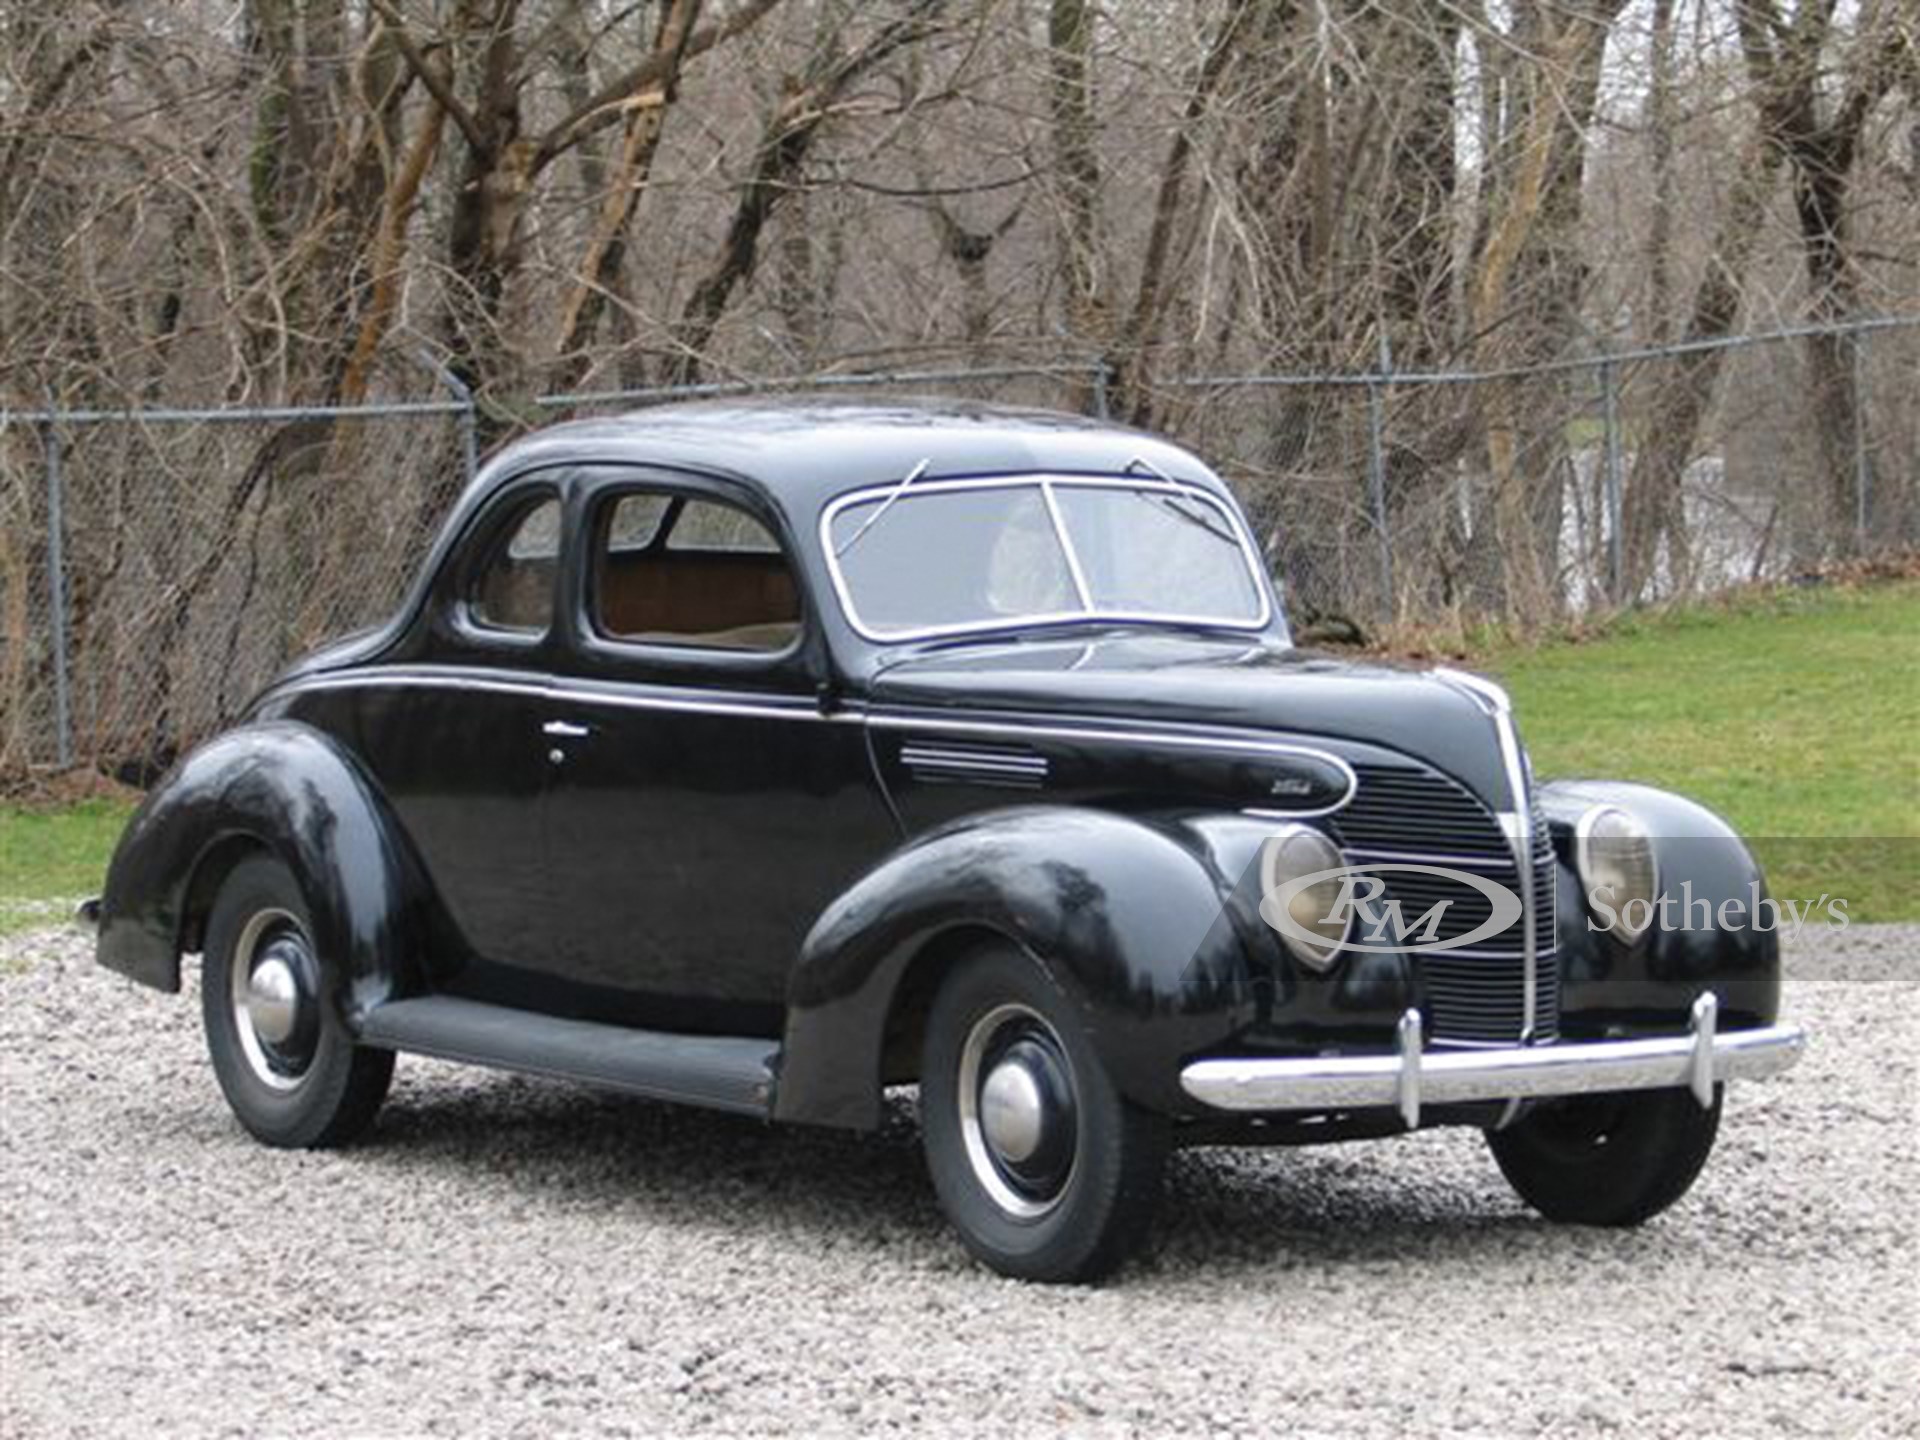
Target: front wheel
1608,1159
1046,1172
289,1069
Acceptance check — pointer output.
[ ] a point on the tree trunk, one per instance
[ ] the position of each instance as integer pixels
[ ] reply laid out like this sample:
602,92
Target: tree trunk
790,131
599,272
483,250
1657,325
1076,159
1654,504
1133,378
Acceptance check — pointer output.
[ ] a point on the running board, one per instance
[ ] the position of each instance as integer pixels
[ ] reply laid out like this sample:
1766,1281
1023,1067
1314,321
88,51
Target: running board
721,1072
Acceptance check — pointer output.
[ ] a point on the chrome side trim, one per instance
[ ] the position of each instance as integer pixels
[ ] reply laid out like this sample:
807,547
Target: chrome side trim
1235,522
702,702
1411,1077
1102,734
709,702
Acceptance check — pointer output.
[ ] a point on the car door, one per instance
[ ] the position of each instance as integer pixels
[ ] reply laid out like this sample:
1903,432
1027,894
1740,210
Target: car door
702,805
450,726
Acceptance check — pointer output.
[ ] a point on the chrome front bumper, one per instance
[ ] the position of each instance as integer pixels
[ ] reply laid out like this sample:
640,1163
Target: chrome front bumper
1413,1076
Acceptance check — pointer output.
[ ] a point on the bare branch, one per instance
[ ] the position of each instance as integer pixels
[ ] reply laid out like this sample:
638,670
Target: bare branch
605,106
438,85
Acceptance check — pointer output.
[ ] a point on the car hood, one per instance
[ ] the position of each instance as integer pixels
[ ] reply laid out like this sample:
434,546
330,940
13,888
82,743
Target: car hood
1201,680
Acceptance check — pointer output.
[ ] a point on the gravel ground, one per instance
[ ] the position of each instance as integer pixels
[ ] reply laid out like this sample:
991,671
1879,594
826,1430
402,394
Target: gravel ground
513,1257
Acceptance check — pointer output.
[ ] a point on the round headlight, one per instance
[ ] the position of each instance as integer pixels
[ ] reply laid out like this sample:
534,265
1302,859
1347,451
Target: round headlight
1309,917
1613,855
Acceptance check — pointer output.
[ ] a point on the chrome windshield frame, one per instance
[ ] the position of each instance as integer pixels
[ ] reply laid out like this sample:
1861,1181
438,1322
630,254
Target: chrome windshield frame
1045,484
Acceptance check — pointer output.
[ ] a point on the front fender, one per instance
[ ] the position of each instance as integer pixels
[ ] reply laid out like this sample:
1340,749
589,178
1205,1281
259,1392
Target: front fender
1708,876
288,789
1127,915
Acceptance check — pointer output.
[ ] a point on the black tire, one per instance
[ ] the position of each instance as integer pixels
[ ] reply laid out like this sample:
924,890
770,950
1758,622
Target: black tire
1095,1207
318,1089
1608,1159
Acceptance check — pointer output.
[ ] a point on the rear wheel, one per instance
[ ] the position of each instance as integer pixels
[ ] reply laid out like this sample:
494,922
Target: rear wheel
1608,1159
1044,1170
290,1071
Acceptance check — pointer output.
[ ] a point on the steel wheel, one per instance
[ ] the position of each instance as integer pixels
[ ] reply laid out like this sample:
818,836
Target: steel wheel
1045,1170
1019,1115
273,988
283,1056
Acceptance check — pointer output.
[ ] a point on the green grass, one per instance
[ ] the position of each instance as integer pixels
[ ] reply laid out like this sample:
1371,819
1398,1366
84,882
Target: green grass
50,858
1792,713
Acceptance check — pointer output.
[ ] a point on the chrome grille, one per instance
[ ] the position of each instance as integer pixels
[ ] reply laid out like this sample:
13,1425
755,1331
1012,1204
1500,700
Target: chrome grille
1546,930
1478,994
1402,809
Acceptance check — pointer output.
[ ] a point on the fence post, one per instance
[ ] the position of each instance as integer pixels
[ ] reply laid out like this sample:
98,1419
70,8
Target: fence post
469,425
1377,472
1611,477
1862,463
57,595
467,419
1100,402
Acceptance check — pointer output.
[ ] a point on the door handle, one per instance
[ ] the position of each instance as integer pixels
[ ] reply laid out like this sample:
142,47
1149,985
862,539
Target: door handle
565,729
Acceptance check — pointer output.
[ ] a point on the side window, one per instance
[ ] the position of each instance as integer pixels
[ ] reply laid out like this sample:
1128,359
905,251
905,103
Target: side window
637,520
513,589
703,525
693,572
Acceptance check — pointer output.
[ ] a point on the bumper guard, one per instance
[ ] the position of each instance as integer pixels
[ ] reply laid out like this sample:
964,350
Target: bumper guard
1413,1076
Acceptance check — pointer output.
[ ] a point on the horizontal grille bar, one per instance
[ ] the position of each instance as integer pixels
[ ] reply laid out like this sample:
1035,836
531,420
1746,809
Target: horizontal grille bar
1476,994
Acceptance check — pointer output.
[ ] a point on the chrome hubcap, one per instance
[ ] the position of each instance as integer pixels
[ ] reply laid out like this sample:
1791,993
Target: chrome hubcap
273,1000
274,984
1018,1111
1011,1119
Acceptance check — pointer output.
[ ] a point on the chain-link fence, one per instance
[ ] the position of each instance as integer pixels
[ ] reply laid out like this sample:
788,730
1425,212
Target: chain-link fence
1582,484
157,567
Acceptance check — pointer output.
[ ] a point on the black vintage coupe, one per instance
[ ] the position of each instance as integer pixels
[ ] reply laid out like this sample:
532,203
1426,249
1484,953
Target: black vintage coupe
761,756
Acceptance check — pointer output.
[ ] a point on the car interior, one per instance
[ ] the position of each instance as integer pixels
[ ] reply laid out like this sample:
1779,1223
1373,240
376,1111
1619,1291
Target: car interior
671,570
668,570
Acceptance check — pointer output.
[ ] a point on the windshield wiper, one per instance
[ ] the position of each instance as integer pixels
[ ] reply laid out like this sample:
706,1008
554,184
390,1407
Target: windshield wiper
1140,462
885,505
1176,505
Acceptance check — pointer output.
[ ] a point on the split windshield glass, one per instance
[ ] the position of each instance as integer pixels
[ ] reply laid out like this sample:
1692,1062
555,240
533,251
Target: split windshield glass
948,556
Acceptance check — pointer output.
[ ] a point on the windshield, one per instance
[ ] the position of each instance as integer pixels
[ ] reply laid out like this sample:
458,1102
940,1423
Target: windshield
938,557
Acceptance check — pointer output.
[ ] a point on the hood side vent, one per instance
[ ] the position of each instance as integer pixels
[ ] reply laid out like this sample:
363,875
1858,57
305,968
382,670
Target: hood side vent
945,762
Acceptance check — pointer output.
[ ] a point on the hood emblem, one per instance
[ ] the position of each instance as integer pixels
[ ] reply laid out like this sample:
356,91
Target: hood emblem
1297,785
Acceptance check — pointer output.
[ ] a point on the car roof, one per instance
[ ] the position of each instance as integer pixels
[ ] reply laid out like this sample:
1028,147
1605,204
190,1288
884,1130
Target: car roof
805,451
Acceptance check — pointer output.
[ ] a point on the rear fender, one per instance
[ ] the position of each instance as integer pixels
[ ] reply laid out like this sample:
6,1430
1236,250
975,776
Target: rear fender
291,791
